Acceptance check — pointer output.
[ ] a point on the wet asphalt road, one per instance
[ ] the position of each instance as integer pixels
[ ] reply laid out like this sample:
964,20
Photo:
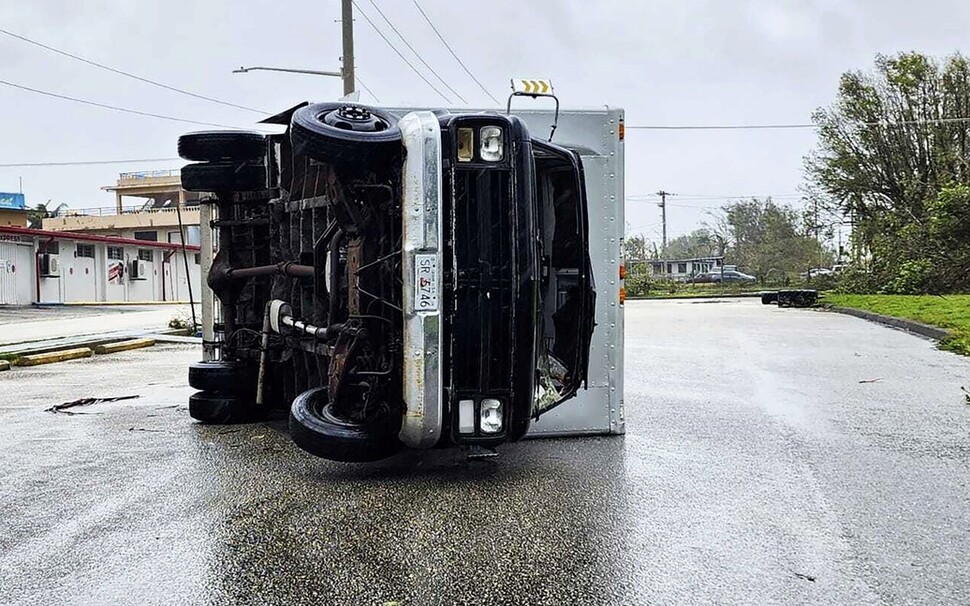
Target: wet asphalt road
757,469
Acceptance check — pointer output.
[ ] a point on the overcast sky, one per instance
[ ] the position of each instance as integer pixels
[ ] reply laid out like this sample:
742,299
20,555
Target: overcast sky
666,62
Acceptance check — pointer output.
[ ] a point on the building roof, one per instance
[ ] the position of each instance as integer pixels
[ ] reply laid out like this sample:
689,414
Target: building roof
82,237
711,258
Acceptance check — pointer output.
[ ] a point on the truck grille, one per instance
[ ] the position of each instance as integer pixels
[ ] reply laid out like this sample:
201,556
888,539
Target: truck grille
484,282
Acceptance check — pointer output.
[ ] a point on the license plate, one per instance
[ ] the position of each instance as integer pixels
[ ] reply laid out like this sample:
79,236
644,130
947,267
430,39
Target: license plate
426,283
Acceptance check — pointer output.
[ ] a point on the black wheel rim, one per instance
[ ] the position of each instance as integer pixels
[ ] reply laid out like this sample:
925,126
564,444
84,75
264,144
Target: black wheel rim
356,118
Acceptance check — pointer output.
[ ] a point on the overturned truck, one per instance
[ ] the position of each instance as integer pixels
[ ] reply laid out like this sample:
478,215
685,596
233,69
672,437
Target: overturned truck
395,279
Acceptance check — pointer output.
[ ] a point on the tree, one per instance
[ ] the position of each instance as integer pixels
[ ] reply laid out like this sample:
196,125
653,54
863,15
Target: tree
893,142
635,248
36,215
764,238
698,243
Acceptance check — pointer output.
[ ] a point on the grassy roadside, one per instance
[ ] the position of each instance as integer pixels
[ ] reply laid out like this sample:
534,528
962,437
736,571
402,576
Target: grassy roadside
951,312
692,290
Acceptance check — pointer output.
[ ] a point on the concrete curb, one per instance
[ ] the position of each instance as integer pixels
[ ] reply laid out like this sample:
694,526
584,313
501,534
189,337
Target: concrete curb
109,348
743,295
55,356
109,303
925,330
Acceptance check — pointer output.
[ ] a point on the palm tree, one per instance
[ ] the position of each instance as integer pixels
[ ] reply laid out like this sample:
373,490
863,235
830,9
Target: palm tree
36,215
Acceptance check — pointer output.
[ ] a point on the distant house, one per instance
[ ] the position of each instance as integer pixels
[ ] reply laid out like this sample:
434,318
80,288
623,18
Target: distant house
684,269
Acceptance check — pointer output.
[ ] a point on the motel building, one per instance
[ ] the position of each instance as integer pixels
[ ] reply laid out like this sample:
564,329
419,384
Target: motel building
126,253
41,266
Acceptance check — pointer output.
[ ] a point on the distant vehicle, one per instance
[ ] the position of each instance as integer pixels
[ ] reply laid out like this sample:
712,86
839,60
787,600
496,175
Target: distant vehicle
727,277
819,271
735,277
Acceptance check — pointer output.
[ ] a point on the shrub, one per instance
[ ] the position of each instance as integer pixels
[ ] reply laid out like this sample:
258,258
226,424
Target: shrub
855,280
914,277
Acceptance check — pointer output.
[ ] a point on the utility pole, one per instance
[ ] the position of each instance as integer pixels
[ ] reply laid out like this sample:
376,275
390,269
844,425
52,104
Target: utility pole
663,218
347,21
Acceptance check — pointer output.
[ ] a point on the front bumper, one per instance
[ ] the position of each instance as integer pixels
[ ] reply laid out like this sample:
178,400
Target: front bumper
422,263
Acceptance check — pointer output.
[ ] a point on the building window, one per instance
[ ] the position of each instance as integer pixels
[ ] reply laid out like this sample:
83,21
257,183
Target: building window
198,259
145,254
84,250
682,268
147,236
50,247
670,268
116,252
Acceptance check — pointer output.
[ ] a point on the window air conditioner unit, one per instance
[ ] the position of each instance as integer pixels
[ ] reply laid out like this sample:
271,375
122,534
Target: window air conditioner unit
139,270
50,266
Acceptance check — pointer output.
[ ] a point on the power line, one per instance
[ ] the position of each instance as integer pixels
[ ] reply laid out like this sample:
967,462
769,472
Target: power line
416,54
794,126
702,197
399,54
114,107
90,162
129,75
721,127
453,54
364,86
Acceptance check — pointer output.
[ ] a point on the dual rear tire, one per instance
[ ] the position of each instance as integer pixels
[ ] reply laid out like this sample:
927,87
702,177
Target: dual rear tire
227,393
224,161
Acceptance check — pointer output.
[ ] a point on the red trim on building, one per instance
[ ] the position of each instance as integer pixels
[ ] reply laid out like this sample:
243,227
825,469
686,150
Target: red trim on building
70,235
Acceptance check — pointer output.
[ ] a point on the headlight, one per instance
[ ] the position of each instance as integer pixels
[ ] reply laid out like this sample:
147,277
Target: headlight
492,144
490,419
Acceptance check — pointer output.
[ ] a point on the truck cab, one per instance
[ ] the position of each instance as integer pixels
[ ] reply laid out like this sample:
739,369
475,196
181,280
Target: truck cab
410,280
498,287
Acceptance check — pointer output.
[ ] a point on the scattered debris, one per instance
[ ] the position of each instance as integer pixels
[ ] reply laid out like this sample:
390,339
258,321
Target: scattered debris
85,402
806,577
225,431
966,395
144,429
876,380
181,321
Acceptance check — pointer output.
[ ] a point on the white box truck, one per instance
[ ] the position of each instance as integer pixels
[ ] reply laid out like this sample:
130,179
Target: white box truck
414,277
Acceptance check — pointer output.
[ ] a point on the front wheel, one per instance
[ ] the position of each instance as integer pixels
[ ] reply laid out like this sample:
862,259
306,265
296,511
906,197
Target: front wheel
344,134
315,429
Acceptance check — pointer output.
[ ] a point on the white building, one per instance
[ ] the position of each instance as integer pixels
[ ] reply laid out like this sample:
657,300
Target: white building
684,269
39,266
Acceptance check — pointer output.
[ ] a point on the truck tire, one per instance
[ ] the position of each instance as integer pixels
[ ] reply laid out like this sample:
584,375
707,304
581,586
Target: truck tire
223,177
209,145
225,376
222,409
316,430
344,133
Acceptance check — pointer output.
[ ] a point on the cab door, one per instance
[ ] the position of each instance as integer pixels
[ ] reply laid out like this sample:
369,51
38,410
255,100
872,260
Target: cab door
567,291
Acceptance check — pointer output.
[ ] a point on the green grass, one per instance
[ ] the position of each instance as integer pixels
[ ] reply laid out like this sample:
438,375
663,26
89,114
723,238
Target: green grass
951,312
666,291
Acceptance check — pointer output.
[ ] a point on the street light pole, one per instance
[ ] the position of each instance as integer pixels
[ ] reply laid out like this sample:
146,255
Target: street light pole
347,69
312,72
347,21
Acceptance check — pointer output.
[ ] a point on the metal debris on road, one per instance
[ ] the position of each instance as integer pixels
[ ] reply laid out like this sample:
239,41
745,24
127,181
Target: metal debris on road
85,402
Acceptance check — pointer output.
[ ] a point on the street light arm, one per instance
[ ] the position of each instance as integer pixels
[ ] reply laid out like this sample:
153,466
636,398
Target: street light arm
243,70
